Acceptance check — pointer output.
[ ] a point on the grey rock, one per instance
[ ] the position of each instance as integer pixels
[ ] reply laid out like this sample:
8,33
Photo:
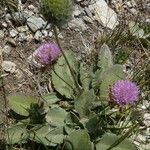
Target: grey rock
18,18
28,13
31,7
22,29
50,34
147,119
133,11
4,24
141,138
48,26
38,35
105,15
35,23
87,19
7,49
60,36
76,12
129,4
13,33
8,17
77,24
45,33
22,37
2,34
89,11
8,66
29,37
11,42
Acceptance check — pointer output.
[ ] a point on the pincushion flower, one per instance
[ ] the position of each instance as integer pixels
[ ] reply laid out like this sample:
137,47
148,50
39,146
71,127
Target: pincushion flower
124,92
46,53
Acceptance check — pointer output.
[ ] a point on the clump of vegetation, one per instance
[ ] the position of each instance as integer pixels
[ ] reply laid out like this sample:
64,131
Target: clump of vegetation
90,108
72,119
56,11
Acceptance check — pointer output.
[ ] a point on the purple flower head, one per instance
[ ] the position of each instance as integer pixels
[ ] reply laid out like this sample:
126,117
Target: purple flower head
124,92
46,53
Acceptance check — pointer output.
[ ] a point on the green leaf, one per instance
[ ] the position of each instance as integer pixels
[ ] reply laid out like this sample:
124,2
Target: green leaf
108,78
16,134
51,98
96,79
39,135
105,58
79,140
61,77
72,118
56,116
48,135
72,122
56,136
20,103
85,77
108,139
84,103
92,124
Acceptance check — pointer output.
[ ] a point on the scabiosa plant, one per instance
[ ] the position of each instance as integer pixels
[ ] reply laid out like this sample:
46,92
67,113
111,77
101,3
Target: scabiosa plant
46,53
57,12
124,92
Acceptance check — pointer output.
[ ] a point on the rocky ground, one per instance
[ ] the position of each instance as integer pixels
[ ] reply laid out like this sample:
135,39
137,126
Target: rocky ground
23,28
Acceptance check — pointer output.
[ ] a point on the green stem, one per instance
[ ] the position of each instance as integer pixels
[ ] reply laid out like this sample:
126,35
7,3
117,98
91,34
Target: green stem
117,142
71,71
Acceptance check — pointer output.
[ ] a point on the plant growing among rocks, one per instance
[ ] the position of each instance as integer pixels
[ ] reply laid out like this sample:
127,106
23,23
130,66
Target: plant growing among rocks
89,108
66,119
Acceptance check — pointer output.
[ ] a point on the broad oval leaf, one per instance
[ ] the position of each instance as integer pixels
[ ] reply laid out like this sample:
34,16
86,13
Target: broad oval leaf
51,98
39,135
79,140
61,76
16,134
56,116
20,103
84,103
56,135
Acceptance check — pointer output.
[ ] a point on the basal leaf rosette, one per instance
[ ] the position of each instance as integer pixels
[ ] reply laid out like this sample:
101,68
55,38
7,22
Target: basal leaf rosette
124,92
58,12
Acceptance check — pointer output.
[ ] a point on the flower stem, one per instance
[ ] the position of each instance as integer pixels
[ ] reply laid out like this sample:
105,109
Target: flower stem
117,142
71,71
